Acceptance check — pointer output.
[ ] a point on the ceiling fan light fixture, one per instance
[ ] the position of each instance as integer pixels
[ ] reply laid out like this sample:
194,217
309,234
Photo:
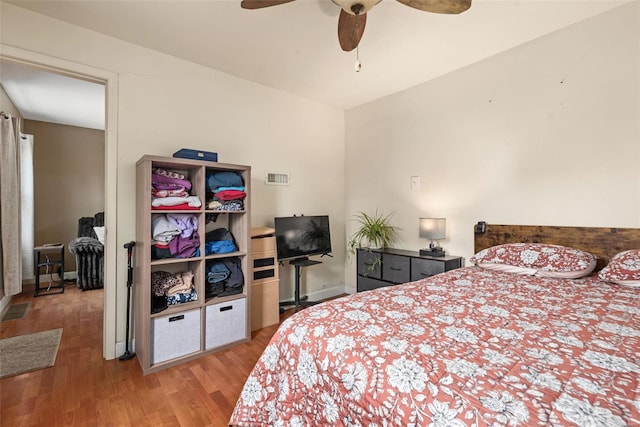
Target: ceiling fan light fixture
348,5
353,16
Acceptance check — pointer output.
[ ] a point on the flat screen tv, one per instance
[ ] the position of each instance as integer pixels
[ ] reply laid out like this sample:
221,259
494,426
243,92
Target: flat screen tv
302,236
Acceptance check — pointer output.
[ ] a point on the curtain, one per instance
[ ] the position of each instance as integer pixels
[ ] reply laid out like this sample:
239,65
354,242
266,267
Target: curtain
10,258
27,226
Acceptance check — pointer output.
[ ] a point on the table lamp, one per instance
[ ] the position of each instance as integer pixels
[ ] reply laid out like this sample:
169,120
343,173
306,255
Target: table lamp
433,229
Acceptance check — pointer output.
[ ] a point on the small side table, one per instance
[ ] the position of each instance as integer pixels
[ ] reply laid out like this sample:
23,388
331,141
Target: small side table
57,261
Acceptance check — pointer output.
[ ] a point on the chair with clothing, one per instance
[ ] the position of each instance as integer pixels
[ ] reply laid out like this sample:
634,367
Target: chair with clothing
88,251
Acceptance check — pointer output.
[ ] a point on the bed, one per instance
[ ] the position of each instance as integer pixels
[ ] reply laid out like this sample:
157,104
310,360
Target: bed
475,346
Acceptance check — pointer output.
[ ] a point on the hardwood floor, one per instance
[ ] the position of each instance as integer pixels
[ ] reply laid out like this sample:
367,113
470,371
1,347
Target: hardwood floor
83,389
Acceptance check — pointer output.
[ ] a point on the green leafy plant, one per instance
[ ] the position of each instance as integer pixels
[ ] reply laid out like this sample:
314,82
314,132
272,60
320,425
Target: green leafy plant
375,232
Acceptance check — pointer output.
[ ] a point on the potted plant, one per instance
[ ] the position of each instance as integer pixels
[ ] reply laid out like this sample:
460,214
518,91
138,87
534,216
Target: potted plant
375,232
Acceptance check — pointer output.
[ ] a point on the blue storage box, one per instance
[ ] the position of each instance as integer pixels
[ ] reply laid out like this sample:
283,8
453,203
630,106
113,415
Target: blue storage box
188,153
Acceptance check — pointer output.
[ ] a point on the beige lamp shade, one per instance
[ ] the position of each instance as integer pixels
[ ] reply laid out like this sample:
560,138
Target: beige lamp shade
433,228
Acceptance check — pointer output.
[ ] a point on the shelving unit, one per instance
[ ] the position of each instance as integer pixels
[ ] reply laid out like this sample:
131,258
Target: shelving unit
189,330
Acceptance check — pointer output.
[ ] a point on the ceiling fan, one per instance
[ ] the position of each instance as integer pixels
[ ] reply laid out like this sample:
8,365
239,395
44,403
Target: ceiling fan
353,15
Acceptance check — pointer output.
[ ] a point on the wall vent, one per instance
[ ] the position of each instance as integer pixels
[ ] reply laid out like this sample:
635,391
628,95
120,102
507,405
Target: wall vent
276,178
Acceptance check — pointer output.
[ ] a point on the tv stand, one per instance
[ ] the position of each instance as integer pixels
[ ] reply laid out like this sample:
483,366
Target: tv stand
298,302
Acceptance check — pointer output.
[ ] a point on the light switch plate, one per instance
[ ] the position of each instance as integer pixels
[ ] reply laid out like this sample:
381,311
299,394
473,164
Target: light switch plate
415,183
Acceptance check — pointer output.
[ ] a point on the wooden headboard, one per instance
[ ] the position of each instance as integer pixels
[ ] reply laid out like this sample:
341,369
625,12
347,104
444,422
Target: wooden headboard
601,242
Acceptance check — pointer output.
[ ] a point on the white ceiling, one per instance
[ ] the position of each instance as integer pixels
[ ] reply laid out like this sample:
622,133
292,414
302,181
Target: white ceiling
293,47
50,97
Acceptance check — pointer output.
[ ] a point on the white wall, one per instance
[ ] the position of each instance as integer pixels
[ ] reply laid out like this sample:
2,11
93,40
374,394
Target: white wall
165,103
544,134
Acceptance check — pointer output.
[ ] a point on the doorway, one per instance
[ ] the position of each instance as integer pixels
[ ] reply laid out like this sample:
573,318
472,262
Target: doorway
109,80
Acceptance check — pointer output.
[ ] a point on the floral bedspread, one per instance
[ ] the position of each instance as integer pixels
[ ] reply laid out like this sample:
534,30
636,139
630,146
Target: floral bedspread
469,347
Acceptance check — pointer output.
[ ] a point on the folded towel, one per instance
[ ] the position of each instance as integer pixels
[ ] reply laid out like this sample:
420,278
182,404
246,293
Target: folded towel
193,201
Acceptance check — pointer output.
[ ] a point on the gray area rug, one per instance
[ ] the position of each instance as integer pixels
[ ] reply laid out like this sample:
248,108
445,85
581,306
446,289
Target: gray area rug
26,353
16,311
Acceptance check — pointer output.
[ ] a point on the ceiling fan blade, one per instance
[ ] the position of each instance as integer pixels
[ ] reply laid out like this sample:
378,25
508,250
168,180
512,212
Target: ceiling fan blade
439,6
259,4
350,29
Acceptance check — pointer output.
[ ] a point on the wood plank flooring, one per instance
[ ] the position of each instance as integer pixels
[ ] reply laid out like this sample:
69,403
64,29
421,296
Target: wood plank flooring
83,389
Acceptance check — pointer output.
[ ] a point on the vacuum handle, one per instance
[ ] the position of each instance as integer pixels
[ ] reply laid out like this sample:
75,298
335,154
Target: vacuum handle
129,247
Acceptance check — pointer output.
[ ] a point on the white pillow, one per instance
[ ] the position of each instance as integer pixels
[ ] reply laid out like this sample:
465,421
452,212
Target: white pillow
100,233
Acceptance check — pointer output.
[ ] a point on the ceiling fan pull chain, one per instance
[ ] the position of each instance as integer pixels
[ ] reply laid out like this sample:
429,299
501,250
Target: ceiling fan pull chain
358,64
357,8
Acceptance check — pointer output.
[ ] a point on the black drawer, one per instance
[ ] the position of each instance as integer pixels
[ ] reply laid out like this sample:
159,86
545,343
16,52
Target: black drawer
369,264
421,268
396,268
367,284
263,274
264,262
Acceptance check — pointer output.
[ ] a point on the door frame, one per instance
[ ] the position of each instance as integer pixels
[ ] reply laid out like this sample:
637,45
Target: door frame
110,81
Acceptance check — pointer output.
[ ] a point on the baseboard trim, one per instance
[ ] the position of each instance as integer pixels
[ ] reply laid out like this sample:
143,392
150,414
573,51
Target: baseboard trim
322,294
350,289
